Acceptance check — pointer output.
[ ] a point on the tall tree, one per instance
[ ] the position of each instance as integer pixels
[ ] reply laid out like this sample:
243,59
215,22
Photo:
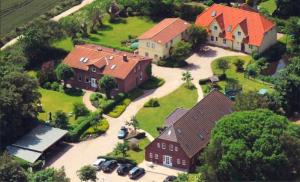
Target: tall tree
250,101
71,25
64,72
49,175
253,146
187,77
180,51
293,32
10,170
87,173
197,36
107,83
287,8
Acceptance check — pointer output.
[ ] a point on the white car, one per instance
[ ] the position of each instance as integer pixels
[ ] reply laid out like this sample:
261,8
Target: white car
98,163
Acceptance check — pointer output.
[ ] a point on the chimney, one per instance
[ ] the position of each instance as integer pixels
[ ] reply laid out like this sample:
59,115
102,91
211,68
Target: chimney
125,58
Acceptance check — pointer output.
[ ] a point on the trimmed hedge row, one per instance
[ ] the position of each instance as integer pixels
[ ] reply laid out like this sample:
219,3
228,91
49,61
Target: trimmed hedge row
110,105
74,135
120,160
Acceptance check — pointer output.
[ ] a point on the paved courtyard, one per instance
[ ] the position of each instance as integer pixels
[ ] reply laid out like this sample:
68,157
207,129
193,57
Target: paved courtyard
86,152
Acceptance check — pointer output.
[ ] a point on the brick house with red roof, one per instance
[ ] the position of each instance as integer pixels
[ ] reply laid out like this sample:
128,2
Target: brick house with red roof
91,62
157,42
188,132
238,28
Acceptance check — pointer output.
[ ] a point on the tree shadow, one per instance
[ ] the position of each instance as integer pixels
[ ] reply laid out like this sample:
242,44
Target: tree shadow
119,21
105,28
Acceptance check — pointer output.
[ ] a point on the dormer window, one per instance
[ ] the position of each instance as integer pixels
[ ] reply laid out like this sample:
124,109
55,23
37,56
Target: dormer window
94,69
239,33
215,28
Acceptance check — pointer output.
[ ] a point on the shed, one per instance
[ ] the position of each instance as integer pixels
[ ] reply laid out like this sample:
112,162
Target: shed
31,146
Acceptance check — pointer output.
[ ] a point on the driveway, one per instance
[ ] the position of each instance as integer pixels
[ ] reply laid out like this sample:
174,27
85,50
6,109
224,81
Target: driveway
86,152
56,18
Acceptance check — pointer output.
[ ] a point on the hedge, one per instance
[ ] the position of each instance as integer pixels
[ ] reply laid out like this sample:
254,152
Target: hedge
74,135
119,109
119,159
107,107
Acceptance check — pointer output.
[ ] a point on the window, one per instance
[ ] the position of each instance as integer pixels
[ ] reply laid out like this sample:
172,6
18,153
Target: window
183,162
250,46
80,77
155,56
156,156
216,39
239,33
153,45
176,148
166,45
163,146
87,79
178,161
212,38
150,155
171,147
139,67
224,41
158,145
117,86
146,54
148,44
93,69
134,69
171,41
215,28
141,76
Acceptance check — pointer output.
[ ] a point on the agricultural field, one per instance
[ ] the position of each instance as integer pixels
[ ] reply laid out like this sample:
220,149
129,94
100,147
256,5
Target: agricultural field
14,13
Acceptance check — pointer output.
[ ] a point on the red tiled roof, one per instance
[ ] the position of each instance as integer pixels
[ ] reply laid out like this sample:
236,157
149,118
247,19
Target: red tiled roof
253,24
110,61
166,30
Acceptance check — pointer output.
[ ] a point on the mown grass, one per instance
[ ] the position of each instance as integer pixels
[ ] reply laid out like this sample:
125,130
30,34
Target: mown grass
15,13
151,117
53,101
247,83
65,44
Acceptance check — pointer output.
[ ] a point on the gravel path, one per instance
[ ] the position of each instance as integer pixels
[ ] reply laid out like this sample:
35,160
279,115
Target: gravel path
86,152
56,18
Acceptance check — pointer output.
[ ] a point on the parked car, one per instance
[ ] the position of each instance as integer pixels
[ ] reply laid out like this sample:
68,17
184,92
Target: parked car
98,163
136,172
124,169
170,178
140,135
109,166
122,133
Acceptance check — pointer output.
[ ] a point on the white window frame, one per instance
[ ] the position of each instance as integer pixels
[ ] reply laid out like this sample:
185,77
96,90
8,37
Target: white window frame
163,145
156,156
239,33
80,77
141,76
158,145
176,148
250,46
216,39
171,147
212,38
178,161
215,28
183,162
87,78
150,155
148,44
224,41
94,69
153,46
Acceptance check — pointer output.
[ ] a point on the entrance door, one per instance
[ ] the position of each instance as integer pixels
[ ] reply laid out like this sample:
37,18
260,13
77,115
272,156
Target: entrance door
167,160
93,83
243,47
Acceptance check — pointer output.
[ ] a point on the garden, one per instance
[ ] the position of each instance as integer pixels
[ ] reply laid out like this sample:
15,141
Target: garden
234,73
150,118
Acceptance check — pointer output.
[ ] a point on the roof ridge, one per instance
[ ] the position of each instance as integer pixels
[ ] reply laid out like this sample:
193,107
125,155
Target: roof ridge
175,19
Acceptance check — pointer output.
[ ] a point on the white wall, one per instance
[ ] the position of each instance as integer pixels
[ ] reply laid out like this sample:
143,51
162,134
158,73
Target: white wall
269,39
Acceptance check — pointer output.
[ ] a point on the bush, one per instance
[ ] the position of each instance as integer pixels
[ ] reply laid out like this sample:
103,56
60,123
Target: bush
75,134
119,109
120,160
55,86
98,129
74,91
153,102
47,85
95,96
204,81
108,105
152,83
79,109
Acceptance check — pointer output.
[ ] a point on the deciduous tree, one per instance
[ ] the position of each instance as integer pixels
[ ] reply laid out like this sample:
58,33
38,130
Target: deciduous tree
87,173
107,83
64,72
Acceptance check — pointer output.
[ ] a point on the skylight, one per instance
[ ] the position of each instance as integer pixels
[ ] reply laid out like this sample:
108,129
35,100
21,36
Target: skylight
229,28
214,13
113,67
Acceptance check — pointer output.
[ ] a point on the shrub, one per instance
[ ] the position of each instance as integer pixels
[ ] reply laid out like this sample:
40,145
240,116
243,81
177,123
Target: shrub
101,127
95,96
204,81
120,160
79,109
152,83
55,86
239,64
108,105
153,102
74,135
47,85
119,109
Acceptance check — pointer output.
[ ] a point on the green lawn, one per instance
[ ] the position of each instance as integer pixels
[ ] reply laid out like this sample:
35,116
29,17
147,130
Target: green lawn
53,101
139,156
112,34
65,44
15,13
150,118
269,5
247,84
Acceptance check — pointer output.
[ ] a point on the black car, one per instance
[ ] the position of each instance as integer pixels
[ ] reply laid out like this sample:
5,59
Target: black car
136,172
124,169
170,178
109,166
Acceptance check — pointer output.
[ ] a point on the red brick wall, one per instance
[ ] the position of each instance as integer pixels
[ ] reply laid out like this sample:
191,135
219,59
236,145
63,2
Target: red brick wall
178,155
126,85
